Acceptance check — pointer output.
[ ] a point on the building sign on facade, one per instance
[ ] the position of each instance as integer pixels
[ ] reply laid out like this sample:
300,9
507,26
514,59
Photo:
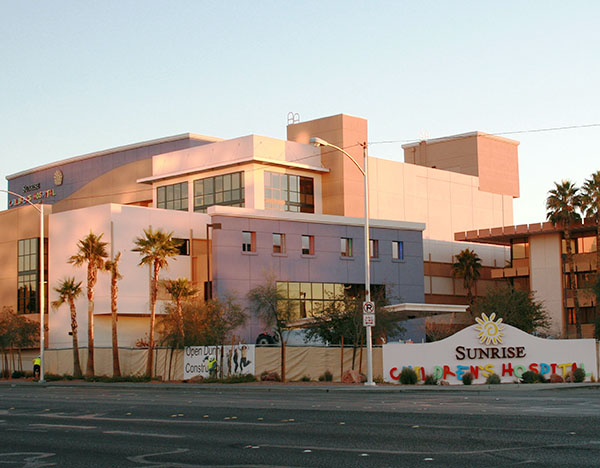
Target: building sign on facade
43,194
490,347
235,360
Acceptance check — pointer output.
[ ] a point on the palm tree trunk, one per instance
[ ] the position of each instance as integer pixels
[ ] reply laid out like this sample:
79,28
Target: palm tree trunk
571,262
89,372
154,290
76,364
115,340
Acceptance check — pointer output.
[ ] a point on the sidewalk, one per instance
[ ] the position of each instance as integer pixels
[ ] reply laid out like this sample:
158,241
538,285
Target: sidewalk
303,386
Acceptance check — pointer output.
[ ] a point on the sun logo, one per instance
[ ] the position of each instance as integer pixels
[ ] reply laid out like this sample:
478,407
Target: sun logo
489,331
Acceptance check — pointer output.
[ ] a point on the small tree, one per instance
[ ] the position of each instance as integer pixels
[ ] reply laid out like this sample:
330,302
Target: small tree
342,319
68,290
591,208
180,290
16,332
516,307
112,266
91,251
467,267
155,248
273,309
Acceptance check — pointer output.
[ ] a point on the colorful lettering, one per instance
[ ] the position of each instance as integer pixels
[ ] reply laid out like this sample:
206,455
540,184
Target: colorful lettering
394,370
460,371
447,372
520,369
507,369
544,368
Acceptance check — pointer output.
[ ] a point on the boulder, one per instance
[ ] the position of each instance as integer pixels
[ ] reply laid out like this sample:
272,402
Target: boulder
353,376
555,378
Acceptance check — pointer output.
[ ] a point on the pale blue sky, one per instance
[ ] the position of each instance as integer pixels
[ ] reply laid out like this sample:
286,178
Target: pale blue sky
79,77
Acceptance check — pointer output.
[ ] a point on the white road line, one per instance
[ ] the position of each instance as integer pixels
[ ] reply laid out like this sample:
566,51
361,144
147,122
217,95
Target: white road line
62,426
427,452
144,434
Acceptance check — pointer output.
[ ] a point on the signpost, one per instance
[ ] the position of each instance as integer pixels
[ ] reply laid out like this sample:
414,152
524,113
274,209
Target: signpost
368,314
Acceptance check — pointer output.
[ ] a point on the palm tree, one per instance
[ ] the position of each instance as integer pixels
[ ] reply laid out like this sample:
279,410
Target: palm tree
91,250
68,290
562,205
155,248
467,267
180,290
591,208
112,266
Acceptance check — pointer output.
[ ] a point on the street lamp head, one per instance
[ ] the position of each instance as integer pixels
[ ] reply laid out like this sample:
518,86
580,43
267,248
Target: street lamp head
316,141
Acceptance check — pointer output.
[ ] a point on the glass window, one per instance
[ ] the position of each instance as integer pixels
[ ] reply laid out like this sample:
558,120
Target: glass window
520,249
586,244
27,276
173,197
278,243
374,248
397,250
226,190
346,247
183,245
308,245
288,192
248,241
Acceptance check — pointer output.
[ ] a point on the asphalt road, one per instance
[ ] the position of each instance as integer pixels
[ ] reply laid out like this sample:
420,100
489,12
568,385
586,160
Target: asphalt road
137,426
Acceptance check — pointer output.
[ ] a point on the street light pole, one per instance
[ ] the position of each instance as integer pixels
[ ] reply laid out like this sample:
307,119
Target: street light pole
42,300
320,142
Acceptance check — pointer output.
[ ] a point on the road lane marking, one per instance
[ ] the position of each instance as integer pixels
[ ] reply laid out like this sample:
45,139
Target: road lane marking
62,426
165,421
144,434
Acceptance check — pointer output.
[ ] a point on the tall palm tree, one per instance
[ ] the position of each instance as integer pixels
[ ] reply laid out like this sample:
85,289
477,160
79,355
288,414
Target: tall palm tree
155,248
467,267
562,206
68,290
591,208
180,290
112,266
91,251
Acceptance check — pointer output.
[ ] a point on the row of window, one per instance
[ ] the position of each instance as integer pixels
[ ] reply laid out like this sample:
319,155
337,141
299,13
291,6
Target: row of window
308,245
283,192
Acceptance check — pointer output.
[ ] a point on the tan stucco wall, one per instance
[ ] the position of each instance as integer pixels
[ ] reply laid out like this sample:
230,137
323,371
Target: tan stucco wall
115,186
545,277
343,186
17,223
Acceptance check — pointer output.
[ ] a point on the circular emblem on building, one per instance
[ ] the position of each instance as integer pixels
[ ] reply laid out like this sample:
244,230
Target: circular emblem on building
58,177
489,331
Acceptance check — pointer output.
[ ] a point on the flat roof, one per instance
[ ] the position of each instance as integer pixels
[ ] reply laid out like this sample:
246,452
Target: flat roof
408,310
141,144
503,235
462,136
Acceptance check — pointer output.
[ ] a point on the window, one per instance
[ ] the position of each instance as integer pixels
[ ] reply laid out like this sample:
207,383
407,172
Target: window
288,192
27,276
312,299
374,248
278,243
173,197
183,245
227,189
346,247
397,250
520,249
248,241
308,245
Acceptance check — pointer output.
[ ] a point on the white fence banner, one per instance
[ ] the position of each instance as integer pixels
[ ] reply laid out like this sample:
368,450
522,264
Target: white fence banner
233,360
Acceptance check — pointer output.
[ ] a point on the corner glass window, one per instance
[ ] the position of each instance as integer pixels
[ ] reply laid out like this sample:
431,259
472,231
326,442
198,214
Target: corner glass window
173,197
288,192
226,190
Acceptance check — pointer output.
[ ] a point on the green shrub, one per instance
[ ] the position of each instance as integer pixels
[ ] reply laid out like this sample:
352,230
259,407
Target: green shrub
326,377
431,380
467,379
578,375
233,379
532,377
18,374
305,378
408,376
493,379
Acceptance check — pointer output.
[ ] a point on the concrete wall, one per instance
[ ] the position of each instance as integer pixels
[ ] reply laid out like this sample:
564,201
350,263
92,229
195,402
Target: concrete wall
237,272
545,277
120,226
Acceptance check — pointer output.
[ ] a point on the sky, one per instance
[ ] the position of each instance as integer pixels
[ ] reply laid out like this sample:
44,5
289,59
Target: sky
79,77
